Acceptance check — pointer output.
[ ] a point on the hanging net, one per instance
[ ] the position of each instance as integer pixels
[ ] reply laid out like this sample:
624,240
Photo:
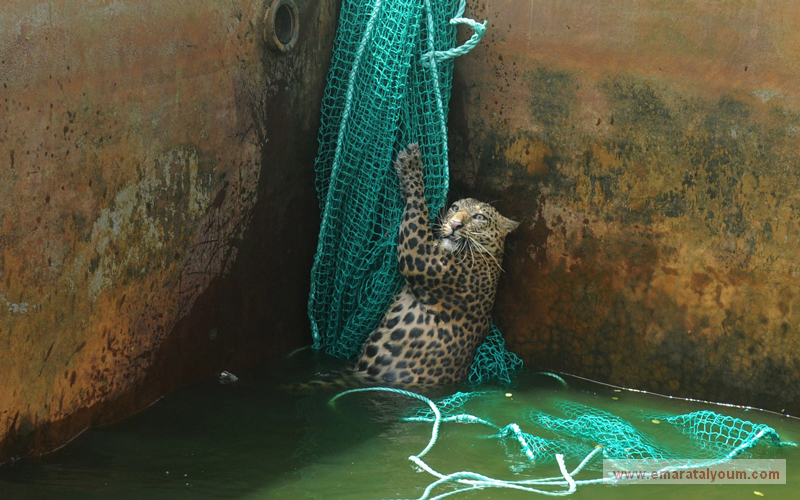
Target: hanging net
388,86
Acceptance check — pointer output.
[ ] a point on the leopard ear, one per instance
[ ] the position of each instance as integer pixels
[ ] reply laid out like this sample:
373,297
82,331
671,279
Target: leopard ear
508,225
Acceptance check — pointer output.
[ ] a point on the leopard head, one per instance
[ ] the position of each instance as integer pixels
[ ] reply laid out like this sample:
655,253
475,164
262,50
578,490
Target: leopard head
473,226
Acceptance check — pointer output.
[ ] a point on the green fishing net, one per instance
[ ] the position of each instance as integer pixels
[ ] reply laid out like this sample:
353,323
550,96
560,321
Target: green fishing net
388,86
584,425
582,435
712,437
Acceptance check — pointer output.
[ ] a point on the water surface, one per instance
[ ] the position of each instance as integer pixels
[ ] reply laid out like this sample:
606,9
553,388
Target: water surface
256,440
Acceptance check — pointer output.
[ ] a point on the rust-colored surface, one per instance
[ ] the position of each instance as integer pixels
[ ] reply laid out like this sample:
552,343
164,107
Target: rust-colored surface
652,151
156,199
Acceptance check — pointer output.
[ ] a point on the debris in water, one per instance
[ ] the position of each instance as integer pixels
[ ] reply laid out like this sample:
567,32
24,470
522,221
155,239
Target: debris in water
227,378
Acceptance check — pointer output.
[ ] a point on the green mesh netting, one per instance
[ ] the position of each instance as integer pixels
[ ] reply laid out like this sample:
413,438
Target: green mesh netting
590,426
388,86
583,433
720,435
713,437
493,361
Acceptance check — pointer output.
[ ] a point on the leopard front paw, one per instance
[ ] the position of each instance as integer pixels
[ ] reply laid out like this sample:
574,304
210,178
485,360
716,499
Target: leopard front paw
409,169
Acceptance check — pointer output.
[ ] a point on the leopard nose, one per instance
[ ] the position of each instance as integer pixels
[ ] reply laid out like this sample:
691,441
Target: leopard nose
455,223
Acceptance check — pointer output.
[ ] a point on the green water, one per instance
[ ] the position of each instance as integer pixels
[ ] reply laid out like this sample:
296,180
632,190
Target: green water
254,440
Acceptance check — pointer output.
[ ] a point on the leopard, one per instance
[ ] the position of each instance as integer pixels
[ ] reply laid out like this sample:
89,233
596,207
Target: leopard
434,325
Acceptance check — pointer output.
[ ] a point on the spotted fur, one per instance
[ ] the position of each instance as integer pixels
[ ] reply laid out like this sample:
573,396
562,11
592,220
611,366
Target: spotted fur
433,327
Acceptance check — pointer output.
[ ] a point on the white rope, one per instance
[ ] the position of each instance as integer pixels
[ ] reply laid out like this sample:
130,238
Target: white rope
472,480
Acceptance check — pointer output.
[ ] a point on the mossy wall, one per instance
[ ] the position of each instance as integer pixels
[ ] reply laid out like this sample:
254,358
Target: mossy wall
651,150
157,202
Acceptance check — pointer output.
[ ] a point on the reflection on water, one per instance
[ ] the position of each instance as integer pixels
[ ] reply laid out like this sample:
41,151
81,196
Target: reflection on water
252,439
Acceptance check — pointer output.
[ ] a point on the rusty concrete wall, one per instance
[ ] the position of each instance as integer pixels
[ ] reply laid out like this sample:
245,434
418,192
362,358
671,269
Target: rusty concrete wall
156,199
652,150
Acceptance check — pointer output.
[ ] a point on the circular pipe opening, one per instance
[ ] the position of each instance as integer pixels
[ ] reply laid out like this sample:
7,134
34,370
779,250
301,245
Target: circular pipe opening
281,25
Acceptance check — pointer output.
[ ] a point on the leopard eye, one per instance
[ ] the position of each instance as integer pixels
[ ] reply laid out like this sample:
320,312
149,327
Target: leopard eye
480,218
454,207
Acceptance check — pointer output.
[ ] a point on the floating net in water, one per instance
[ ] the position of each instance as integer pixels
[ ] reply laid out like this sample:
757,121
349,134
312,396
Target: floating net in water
388,86
720,435
586,434
590,426
712,437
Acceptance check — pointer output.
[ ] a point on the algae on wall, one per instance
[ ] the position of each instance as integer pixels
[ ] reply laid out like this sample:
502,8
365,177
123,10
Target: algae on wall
157,162
656,172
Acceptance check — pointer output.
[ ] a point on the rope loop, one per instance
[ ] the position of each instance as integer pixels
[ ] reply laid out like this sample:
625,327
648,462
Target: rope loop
443,55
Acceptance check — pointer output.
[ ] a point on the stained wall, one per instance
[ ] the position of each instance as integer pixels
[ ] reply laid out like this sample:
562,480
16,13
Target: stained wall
156,200
651,150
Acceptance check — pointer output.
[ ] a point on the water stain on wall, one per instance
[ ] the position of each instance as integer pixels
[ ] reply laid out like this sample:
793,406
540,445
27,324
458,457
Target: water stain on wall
659,240
146,149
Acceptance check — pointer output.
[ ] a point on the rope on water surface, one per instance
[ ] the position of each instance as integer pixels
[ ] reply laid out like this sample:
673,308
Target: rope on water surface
730,436
472,480
434,408
553,375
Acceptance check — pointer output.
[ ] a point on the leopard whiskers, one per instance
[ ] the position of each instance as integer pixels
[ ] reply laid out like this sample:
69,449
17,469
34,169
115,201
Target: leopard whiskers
481,247
471,233
463,244
471,245
438,226
472,254
478,233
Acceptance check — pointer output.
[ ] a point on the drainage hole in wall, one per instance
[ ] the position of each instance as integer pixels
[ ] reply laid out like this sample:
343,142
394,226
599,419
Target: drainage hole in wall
283,24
